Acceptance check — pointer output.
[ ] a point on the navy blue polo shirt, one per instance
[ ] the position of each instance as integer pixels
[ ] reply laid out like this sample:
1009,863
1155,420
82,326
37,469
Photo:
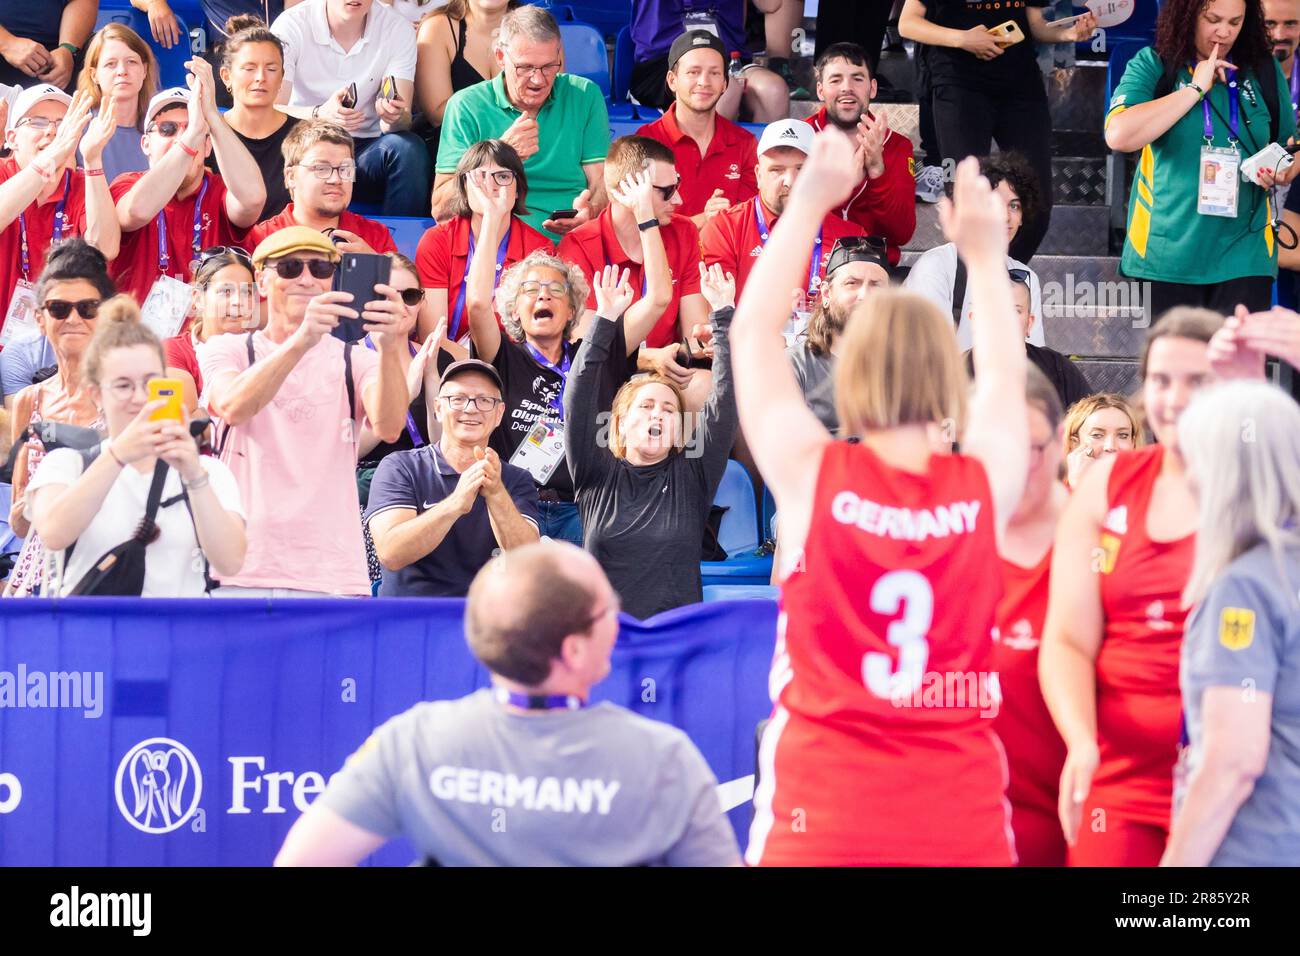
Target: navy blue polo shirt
418,480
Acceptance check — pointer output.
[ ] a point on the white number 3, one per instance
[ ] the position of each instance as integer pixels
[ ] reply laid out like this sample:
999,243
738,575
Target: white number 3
911,591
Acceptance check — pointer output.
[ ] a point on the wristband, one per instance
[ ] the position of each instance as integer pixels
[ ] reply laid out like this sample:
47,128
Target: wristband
1200,93
188,151
109,448
41,171
648,224
70,47
94,172
200,482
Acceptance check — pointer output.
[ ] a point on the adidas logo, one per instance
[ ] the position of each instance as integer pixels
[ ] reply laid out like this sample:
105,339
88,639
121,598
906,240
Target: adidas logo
789,133
756,252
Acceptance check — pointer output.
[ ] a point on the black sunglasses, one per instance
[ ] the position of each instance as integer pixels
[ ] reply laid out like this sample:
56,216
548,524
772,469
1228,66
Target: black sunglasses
166,129
412,297
854,243
668,191
61,308
292,268
1019,275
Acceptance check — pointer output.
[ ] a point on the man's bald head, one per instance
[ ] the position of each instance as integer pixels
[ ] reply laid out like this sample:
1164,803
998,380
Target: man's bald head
525,602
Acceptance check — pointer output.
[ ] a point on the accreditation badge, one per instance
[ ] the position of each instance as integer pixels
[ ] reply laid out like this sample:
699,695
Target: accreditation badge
20,318
1217,181
541,451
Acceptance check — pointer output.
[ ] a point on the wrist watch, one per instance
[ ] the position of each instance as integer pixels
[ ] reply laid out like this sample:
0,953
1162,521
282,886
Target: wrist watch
648,224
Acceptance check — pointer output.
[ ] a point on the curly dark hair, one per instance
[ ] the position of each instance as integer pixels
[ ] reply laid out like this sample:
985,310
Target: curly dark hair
1176,35
1020,176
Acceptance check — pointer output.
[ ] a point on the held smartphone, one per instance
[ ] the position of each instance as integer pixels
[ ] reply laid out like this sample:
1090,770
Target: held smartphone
564,214
1067,21
169,390
359,273
388,88
349,99
1008,33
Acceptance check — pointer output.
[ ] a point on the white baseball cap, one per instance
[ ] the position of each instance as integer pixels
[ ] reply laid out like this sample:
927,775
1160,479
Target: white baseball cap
176,95
787,132
21,105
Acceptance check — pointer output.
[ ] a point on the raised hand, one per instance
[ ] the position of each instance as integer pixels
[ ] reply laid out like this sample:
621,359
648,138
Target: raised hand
98,132
493,200
1210,69
636,192
582,204
322,315
613,292
62,150
178,448
201,72
388,319
718,287
420,360
871,141
390,111
828,175
522,134
351,242
1083,28
1276,332
491,461
470,484
975,219
196,132
141,438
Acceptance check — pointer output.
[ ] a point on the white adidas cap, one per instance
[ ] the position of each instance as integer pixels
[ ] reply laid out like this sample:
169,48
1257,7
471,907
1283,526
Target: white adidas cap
176,95
787,132
22,104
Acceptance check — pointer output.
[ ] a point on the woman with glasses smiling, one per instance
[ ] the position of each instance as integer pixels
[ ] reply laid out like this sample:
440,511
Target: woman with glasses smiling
68,295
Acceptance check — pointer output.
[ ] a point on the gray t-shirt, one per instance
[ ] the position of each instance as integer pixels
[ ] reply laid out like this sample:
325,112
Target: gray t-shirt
471,783
21,360
1246,634
816,375
123,154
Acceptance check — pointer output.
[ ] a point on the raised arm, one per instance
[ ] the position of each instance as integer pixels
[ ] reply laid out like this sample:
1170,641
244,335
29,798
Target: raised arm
716,432
245,188
1133,127
480,307
636,193
102,228
389,325
998,430
1075,32
153,190
24,187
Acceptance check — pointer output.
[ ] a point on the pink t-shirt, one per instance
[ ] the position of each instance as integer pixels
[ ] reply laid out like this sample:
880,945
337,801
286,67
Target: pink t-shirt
295,463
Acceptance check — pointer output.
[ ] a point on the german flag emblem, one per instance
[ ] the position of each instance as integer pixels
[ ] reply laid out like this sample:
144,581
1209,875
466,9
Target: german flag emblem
1109,552
1236,628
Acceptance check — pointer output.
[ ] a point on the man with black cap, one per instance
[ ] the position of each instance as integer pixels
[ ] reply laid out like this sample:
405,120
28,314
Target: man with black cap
440,512
715,157
858,266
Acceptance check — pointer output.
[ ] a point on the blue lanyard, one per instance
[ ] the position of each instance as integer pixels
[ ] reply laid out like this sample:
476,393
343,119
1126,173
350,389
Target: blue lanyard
1295,84
459,310
539,701
411,428
163,260
1234,106
57,236
813,268
562,370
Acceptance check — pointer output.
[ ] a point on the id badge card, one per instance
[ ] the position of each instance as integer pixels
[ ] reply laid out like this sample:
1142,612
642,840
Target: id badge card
700,20
20,317
1216,193
541,451
166,306
796,328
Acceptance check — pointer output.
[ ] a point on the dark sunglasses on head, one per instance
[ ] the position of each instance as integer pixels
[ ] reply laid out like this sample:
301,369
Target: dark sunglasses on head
239,252
1019,275
292,268
166,129
854,243
412,297
61,309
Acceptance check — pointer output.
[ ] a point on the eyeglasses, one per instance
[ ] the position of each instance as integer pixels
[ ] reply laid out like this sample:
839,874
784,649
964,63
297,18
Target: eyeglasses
347,171
38,123
548,70
556,289
459,402
669,191
411,297
61,309
123,389
166,129
1019,275
292,268
502,177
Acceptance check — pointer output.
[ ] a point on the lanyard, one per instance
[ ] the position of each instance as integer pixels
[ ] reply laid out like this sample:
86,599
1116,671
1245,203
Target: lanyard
813,269
562,370
1234,106
57,236
411,428
1295,84
459,310
540,701
163,259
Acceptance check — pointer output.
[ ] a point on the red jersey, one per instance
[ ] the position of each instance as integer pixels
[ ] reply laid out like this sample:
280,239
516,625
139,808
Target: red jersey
374,234
188,232
180,353
880,750
1139,706
728,164
594,245
1035,751
70,196
733,239
442,260
885,206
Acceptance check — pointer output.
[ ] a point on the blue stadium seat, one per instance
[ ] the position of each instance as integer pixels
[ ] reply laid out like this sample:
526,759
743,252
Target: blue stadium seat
607,16
621,127
171,63
630,114
1120,54
407,231
585,53
738,535
741,592
624,56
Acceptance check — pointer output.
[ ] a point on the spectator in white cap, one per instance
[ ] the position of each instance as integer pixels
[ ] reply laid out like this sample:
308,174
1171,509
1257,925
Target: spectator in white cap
735,238
178,208
45,199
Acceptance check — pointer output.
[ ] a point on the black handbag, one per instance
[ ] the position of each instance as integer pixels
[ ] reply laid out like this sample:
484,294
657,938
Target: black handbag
120,572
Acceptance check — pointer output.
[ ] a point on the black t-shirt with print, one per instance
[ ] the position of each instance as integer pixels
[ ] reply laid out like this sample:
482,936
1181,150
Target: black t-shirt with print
1011,71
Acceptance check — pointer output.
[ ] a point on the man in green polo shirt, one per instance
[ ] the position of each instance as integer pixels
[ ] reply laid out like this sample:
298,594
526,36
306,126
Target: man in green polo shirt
556,121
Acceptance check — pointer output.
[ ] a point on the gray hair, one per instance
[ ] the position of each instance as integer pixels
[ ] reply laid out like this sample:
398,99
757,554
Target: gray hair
1241,444
530,22
508,291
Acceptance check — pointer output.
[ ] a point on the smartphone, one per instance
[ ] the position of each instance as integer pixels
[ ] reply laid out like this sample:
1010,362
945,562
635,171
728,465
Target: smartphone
388,88
170,391
349,98
1008,33
564,214
1067,21
359,273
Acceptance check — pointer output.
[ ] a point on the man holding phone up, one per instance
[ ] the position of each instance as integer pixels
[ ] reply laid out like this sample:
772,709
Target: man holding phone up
288,433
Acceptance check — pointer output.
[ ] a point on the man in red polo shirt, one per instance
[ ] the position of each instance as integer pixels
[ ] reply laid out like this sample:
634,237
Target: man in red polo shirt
883,202
45,199
319,169
640,231
196,208
715,157
735,238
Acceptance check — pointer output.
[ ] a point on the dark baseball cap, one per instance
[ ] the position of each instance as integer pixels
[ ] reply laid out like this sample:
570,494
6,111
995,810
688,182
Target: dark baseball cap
471,365
695,40
860,249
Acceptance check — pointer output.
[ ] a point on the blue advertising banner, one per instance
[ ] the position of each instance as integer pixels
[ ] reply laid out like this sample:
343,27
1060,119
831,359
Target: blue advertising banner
193,733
